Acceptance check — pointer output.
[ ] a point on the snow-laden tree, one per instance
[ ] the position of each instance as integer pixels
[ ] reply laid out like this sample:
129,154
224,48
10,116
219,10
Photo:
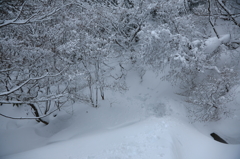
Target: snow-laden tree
57,52
205,67
32,73
95,51
28,72
52,51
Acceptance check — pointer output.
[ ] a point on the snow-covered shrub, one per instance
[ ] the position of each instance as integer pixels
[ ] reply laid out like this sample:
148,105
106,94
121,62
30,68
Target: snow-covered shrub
205,68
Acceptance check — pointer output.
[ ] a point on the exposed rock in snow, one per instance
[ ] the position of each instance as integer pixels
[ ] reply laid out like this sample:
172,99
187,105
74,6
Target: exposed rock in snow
218,138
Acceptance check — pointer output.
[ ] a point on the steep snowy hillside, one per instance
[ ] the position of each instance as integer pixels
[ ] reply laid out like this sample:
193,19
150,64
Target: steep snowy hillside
147,121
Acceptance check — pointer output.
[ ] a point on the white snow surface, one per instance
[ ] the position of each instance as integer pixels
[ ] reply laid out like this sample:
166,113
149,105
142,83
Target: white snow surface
213,43
146,122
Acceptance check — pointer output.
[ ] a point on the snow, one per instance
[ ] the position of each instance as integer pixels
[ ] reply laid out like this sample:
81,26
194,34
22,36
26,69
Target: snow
213,43
146,122
225,38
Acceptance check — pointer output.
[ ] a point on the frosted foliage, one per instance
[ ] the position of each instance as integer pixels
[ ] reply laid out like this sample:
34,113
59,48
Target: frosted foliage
54,53
206,81
205,68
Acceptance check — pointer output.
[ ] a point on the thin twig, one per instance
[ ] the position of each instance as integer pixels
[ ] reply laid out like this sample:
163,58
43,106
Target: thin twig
228,12
210,21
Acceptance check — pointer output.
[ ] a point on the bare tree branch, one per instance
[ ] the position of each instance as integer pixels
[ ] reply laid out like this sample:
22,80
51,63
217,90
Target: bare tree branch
49,14
213,68
52,97
228,12
18,87
17,21
5,70
24,83
210,21
7,116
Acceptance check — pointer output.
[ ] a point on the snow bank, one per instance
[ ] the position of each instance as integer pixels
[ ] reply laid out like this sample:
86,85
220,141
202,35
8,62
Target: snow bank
147,122
155,138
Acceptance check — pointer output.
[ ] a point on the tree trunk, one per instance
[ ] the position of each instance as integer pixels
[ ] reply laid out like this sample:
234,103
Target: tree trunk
102,92
37,114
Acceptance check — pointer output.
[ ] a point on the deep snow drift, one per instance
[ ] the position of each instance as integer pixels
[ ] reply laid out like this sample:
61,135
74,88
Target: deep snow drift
146,122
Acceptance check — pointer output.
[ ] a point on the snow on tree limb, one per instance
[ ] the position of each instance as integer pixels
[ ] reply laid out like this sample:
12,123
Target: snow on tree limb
28,80
210,21
214,42
213,68
7,116
17,21
49,14
5,70
44,99
228,12
21,85
14,102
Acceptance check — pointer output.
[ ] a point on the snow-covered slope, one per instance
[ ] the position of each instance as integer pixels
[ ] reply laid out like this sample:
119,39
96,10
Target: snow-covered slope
146,122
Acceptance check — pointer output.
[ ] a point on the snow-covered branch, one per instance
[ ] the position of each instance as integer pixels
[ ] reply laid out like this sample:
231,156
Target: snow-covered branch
228,12
30,19
210,21
213,68
16,20
43,99
7,116
52,97
21,85
28,80
14,102
5,70
49,14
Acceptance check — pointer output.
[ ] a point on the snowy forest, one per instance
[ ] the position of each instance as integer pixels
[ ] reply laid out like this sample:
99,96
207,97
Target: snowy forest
70,68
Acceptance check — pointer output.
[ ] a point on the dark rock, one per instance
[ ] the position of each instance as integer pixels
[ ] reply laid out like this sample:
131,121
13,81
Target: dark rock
218,138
